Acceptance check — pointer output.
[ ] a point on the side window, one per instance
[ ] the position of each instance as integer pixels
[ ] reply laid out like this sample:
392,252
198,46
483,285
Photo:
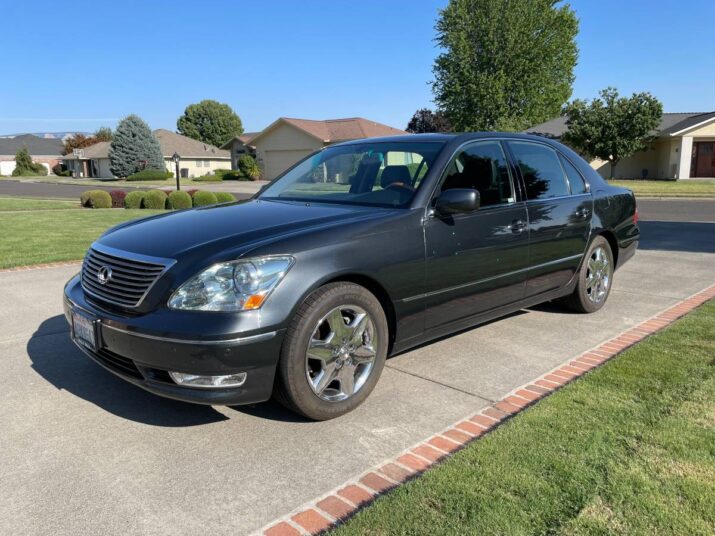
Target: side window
578,186
482,166
541,169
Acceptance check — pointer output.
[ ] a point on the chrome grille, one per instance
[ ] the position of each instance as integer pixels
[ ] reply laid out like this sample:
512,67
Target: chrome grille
130,278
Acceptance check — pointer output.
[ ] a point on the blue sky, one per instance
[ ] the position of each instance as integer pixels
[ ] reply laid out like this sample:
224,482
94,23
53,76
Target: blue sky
89,63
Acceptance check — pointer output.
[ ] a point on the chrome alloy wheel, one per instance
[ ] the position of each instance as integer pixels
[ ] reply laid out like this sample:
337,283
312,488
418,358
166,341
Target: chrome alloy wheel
341,353
598,275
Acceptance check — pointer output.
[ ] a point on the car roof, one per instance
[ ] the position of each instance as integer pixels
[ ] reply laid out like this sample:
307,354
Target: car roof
458,137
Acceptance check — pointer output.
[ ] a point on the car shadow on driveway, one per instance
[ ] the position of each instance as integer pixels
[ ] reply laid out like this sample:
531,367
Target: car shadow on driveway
60,362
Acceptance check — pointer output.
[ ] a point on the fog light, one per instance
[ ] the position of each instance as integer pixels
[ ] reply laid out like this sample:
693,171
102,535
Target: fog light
208,382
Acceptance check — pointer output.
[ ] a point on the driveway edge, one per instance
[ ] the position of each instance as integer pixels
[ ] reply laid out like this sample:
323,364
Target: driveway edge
346,500
40,266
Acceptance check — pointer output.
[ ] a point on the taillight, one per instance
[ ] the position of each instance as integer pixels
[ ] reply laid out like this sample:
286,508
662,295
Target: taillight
635,216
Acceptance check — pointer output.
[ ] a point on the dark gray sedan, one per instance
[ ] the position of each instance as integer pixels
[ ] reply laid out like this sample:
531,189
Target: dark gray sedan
359,251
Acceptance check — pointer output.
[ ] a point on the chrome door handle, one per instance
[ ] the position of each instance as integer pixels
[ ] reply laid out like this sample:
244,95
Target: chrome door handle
582,213
517,226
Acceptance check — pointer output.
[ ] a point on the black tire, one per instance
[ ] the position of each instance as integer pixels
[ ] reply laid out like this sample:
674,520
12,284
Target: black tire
292,388
580,300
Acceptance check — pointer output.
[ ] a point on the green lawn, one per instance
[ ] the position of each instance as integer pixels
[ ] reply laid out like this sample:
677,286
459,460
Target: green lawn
120,183
682,188
16,203
629,449
39,236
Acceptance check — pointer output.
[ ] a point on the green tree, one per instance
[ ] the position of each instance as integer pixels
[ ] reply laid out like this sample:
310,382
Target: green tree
612,127
134,148
506,65
80,141
102,134
425,120
24,166
211,122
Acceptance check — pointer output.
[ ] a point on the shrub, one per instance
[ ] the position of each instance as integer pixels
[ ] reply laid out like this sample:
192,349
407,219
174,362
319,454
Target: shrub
229,174
209,178
25,167
134,199
225,197
249,167
150,175
117,198
96,199
179,200
154,199
59,169
203,198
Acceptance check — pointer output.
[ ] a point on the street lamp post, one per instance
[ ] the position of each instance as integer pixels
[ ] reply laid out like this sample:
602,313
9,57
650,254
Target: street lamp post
176,159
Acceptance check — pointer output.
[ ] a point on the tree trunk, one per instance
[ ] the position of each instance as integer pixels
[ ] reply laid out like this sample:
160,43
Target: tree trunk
614,163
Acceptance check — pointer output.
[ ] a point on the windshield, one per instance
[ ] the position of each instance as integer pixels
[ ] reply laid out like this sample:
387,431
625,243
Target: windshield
382,174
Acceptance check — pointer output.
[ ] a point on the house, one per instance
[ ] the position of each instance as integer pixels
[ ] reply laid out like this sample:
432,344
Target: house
286,141
239,146
684,147
197,158
45,151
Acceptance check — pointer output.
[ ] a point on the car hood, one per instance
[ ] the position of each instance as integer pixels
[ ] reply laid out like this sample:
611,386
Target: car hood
234,225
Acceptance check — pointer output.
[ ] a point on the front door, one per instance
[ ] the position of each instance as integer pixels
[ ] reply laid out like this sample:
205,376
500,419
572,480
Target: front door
560,210
477,261
704,161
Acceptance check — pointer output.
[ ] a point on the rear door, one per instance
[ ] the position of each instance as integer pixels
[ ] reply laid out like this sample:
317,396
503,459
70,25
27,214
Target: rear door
477,261
559,215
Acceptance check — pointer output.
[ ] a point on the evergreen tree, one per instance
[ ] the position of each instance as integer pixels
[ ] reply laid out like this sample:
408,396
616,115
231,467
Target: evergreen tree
134,148
506,65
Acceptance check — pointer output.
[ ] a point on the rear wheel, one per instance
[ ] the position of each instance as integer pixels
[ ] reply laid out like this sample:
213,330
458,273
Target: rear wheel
333,353
595,278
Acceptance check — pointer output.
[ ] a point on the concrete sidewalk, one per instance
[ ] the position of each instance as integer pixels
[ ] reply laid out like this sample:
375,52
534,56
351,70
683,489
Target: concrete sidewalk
82,452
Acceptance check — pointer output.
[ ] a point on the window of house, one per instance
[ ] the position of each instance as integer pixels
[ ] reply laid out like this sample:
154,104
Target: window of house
578,185
482,167
540,167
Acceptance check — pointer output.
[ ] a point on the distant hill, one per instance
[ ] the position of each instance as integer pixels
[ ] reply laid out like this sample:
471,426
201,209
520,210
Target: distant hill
47,135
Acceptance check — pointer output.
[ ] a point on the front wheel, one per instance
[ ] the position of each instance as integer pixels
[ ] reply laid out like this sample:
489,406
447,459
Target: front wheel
594,279
333,353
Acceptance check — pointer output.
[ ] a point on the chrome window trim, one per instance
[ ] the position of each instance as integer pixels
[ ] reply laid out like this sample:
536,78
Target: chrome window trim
121,254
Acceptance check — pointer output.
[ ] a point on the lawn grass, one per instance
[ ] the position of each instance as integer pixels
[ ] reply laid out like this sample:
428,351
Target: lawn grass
121,183
629,449
681,188
33,237
17,203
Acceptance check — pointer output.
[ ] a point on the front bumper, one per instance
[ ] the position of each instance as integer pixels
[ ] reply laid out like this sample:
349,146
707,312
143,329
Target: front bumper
143,357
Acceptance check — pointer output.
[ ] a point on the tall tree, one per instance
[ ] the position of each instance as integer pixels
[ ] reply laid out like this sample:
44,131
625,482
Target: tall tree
611,127
506,65
211,122
133,148
425,120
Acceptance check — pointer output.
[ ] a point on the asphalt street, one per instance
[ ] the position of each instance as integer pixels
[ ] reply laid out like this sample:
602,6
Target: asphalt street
82,452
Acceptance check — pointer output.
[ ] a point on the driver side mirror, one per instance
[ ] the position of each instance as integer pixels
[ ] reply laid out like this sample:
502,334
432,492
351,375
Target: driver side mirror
457,201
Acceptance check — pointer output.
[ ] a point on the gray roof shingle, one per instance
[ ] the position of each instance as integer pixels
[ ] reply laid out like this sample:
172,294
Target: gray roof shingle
35,145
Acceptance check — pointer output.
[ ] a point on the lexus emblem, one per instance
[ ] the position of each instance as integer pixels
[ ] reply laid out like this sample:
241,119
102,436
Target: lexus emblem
104,275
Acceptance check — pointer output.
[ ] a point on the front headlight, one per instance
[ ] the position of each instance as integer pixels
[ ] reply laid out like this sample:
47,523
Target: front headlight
232,286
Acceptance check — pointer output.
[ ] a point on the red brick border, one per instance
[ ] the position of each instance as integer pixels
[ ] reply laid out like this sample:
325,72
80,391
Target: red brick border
329,510
40,266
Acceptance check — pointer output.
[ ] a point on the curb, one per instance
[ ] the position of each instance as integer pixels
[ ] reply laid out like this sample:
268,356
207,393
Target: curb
40,266
338,505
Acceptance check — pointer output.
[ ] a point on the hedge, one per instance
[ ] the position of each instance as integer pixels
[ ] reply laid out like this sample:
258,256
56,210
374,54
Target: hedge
203,198
209,178
96,199
225,197
150,175
179,200
134,199
117,198
154,199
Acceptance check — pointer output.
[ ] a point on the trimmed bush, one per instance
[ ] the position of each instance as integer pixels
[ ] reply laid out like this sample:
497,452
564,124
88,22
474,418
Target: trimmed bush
179,200
134,199
225,197
248,166
203,198
154,199
117,198
96,199
209,178
150,175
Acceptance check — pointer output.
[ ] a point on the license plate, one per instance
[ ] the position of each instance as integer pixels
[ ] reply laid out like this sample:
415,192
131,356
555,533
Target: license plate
83,330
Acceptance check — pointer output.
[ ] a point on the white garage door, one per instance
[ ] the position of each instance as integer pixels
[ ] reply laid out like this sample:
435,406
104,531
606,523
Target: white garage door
7,167
276,162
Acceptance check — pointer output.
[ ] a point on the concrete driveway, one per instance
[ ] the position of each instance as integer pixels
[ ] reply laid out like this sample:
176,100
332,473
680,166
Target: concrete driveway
82,452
